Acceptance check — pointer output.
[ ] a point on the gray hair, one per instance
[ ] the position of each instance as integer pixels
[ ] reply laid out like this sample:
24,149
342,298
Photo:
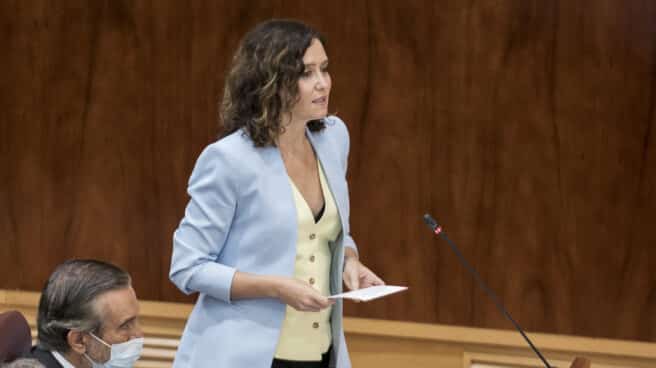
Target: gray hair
68,300
23,363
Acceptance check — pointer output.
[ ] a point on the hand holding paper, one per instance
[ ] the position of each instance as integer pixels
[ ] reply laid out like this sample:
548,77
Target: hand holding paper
370,293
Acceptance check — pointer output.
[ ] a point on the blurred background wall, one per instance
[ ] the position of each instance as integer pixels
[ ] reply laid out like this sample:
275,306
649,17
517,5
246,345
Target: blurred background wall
525,127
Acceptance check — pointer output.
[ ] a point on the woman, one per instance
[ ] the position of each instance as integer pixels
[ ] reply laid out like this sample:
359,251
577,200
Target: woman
265,237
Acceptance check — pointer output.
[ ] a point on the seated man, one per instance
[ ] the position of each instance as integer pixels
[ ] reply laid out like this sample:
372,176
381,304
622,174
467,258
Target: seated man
88,318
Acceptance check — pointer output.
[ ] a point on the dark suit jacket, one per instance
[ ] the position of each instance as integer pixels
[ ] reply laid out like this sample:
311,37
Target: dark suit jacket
45,357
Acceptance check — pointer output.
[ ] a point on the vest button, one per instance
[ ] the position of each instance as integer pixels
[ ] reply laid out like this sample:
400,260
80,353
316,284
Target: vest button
312,258
311,280
312,236
315,325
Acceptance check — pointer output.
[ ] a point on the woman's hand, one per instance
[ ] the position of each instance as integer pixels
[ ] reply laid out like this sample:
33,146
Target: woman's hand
356,275
301,296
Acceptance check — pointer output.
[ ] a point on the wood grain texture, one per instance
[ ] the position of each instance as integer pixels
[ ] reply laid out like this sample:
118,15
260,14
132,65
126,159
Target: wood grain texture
525,127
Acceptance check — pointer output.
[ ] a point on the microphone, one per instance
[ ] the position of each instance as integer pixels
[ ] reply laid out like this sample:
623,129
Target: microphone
437,230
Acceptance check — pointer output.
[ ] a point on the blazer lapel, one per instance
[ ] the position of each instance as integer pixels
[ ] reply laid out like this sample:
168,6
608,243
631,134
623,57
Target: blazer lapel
278,187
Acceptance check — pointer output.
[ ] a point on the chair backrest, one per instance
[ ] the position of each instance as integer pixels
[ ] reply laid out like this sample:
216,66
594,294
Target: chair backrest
15,336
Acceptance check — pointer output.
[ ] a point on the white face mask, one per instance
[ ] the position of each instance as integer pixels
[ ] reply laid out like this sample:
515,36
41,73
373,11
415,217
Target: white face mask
122,355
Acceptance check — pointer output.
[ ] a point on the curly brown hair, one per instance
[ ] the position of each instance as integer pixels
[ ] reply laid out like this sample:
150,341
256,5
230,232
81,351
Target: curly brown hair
262,83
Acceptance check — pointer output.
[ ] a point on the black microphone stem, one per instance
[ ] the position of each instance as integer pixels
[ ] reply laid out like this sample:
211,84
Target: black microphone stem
438,231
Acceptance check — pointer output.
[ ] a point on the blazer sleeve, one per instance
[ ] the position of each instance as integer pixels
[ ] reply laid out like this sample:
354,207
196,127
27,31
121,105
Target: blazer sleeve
345,141
201,235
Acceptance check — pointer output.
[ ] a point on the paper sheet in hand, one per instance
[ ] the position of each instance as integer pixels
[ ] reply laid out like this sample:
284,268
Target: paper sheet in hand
369,293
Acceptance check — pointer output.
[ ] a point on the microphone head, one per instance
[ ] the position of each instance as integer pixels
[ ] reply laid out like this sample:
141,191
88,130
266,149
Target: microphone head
430,221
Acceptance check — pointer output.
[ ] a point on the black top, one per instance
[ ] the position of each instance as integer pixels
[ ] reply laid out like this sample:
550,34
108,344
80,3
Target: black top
319,215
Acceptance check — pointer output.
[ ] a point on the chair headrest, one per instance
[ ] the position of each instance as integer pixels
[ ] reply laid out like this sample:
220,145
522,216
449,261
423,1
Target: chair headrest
15,336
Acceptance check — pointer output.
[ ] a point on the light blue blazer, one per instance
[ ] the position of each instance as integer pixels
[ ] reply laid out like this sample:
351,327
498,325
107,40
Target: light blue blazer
241,216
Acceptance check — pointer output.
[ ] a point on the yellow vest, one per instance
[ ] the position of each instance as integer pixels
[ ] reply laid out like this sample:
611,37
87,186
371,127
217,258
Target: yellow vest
306,335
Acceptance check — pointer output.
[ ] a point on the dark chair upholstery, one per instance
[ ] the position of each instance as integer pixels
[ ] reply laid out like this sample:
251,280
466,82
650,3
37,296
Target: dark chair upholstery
15,336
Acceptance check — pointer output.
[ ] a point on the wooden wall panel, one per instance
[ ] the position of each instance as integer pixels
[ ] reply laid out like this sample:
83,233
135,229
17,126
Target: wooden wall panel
525,127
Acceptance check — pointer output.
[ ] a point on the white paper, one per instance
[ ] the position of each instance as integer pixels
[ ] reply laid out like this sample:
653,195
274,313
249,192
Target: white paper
370,293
